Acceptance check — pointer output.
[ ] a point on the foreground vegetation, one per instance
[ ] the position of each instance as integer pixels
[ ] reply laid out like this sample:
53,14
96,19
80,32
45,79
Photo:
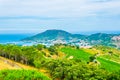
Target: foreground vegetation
77,70
63,62
109,64
22,75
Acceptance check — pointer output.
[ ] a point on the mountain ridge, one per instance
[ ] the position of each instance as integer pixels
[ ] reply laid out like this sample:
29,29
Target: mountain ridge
54,34
62,33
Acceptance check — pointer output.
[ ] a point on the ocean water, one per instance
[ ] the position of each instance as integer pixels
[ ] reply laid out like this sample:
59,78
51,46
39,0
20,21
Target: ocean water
5,38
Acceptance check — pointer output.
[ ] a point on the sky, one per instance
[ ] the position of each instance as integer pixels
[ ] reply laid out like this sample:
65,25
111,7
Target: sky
34,16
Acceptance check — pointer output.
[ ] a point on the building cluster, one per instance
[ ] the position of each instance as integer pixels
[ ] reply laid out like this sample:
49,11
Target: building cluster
116,41
116,38
73,42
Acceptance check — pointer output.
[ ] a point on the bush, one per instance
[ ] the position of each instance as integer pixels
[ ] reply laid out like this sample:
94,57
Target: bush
22,75
72,70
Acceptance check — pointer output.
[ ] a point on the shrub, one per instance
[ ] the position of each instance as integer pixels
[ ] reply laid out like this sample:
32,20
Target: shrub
22,75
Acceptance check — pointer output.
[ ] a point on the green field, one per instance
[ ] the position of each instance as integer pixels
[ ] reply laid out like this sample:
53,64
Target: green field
76,53
108,65
113,57
84,56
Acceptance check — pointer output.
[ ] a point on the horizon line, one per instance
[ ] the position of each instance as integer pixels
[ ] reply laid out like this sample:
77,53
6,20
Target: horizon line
72,32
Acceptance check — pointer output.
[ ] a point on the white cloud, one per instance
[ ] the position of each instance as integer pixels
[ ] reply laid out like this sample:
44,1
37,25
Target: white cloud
59,8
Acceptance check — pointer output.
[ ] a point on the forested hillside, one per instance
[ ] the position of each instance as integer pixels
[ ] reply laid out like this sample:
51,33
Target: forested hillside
63,62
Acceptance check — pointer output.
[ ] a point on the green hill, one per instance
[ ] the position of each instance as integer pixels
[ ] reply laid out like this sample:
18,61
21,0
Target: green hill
93,39
53,34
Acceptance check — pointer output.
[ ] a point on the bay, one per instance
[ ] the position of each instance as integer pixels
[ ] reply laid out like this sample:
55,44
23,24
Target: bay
10,38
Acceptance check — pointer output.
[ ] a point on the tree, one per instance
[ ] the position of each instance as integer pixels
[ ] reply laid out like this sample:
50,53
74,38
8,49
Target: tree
53,50
16,53
40,46
92,58
38,59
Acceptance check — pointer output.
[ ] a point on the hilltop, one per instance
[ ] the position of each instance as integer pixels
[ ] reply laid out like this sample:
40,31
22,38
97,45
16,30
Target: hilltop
53,34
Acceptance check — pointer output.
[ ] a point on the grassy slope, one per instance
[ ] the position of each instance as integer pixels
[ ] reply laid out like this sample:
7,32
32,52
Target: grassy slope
6,64
112,57
82,54
9,64
77,54
108,65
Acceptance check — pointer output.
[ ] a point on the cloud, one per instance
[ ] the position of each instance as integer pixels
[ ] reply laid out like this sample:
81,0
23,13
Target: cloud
71,15
13,30
59,8
27,18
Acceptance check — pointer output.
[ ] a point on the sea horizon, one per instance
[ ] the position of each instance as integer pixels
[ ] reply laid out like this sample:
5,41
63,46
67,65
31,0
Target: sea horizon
12,37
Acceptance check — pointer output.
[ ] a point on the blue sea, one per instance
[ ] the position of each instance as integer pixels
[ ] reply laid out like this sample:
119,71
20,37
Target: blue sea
13,38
